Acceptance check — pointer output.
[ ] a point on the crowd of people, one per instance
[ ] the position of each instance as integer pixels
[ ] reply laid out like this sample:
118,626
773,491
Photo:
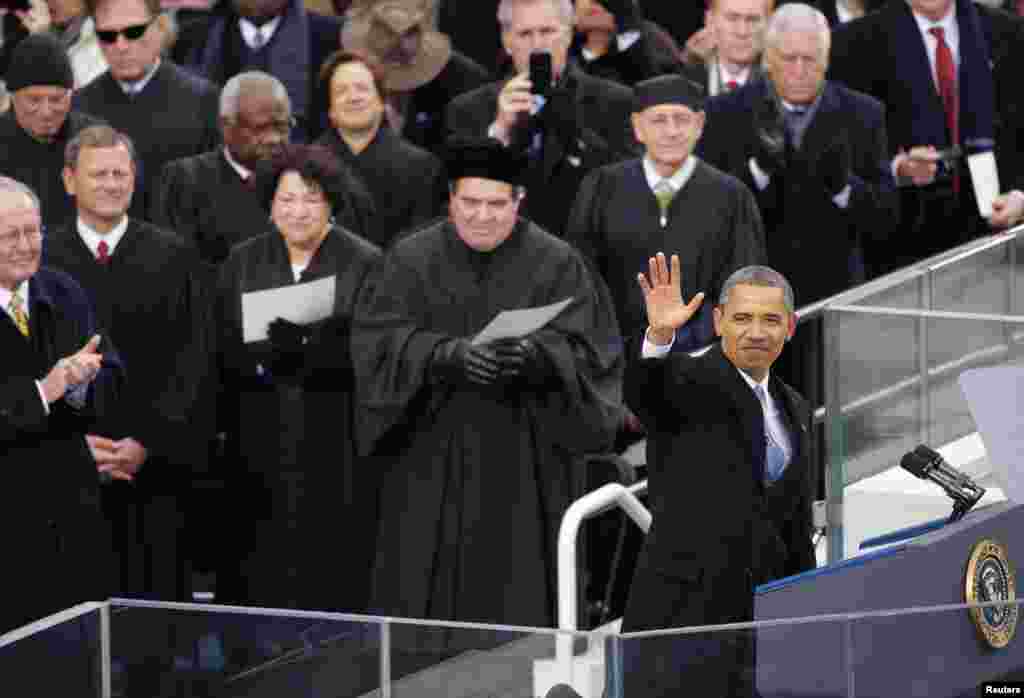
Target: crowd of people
158,165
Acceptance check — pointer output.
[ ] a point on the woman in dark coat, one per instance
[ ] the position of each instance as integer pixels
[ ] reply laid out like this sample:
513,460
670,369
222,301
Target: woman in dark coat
286,404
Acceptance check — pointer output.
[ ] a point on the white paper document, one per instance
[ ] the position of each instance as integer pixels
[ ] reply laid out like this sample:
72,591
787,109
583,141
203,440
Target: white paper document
301,303
985,178
513,324
995,397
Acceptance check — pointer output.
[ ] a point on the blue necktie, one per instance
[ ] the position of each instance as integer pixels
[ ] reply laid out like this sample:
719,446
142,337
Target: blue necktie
775,455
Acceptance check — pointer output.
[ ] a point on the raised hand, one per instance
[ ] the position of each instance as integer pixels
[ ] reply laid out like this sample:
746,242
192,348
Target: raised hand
663,298
80,367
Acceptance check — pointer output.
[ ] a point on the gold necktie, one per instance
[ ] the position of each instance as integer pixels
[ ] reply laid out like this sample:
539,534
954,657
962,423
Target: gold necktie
664,193
18,313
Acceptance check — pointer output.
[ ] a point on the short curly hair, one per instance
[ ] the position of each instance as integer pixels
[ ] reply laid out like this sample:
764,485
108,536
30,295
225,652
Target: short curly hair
315,164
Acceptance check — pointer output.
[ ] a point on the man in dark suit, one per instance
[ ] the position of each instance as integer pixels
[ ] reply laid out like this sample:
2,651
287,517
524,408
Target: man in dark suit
910,54
580,124
730,482
279,37
166,111
60,547
726,53
814,152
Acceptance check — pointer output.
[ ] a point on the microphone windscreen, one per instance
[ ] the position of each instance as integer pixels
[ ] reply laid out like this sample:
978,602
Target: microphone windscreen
914,463
562,691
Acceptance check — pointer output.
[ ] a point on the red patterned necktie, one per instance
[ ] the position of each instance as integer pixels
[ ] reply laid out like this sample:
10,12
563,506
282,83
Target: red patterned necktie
731,85
945,72
103,252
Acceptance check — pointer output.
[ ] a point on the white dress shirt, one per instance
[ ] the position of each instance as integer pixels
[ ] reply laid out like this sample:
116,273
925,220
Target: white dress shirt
719,76
773,420
952,36
243,171
677,180
137,86
92,239
258,37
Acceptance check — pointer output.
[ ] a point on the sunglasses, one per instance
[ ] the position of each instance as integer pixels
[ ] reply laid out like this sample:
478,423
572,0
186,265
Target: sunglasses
132,33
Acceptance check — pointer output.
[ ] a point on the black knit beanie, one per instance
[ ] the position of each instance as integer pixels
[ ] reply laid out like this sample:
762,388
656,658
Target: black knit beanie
39,59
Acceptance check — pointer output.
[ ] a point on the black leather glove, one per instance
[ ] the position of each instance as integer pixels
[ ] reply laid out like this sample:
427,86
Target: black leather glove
770,128
523,362
833,167
458,361
626,12
288,341
329,357
560,115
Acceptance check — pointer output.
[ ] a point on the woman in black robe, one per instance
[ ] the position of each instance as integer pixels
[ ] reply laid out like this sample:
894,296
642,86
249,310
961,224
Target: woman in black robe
286,406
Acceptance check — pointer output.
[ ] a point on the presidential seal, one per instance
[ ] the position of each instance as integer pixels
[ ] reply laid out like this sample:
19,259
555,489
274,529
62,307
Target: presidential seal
990,577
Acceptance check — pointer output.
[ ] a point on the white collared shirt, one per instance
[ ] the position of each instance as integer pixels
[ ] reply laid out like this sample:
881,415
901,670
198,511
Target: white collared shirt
678,179
250,32
134,88
952,36
773,420
92,239
243,171
719,76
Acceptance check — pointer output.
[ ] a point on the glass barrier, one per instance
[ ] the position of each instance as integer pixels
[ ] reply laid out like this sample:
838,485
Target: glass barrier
927,652
891,384
179,650
61,655
188,650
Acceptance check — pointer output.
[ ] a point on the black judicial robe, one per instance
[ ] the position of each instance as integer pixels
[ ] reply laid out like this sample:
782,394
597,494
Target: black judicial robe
57,547
173,117
149,298
39,165
475,482
203,199
294,477
407,183
713,224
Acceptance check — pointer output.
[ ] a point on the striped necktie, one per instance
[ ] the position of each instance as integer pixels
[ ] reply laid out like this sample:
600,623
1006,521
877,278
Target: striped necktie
17,310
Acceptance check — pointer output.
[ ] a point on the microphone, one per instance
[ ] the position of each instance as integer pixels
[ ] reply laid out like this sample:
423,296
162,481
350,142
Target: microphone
927,464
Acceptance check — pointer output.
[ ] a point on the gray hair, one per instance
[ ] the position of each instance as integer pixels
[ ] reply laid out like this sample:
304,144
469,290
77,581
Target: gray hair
98,136
13,185
230,95
796,17
564,7
758,276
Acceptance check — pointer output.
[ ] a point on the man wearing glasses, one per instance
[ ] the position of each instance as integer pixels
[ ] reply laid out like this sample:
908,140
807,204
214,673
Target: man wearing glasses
166,111
51,386
40,123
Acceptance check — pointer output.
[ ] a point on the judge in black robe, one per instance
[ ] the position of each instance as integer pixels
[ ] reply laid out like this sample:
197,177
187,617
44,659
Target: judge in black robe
145,284
149,298
287,412
407,183
476,479
712,222
174,116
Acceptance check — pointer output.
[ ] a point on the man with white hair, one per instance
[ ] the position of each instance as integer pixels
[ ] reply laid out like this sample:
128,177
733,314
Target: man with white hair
52,383
814,152
209,198
568,129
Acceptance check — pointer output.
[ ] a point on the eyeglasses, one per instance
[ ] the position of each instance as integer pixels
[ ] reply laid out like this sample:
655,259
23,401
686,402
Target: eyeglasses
283,126
33,236
132,33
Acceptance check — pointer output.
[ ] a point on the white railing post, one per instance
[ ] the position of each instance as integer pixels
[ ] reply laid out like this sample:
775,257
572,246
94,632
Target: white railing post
568,593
